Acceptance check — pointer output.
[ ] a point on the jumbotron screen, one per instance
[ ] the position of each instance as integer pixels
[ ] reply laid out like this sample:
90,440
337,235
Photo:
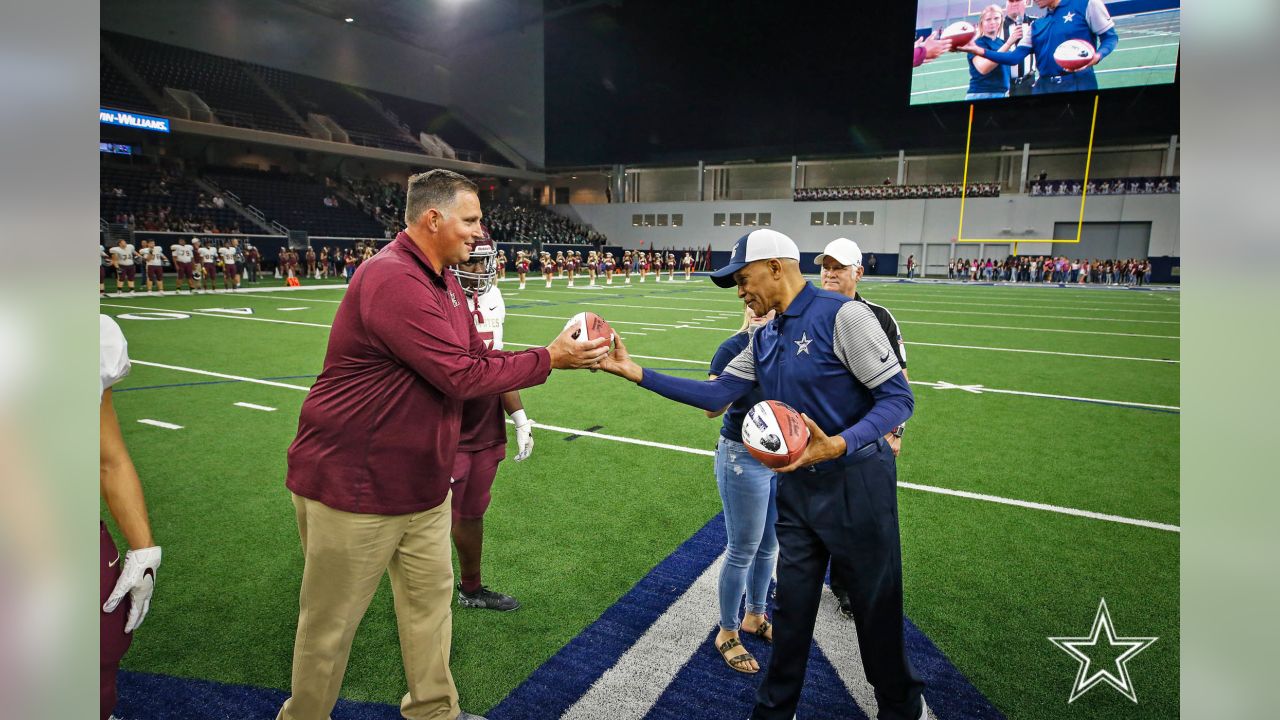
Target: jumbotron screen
1014,48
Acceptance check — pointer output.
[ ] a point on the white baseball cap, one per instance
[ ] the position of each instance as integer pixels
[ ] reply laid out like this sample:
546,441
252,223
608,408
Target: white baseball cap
843,251
755,245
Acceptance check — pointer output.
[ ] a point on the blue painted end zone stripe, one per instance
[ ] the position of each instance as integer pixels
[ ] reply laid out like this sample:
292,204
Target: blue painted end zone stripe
949,693
704,688
708,690
144,696
558,683
555,686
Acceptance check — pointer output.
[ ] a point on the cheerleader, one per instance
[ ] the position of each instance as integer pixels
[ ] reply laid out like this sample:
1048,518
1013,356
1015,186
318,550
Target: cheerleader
522,266
609,265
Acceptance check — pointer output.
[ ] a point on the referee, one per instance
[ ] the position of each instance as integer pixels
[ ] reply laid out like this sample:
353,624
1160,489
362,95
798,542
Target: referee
1022,77
825,355
841,263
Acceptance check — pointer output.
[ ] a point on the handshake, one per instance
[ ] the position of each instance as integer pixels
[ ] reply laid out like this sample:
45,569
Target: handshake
586,343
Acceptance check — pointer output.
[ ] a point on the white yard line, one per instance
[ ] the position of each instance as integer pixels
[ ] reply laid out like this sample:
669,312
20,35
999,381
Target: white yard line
708,453
905,301
160,424
225,376
980,389
896,309
1037,329
252,406
1042,506
1046,352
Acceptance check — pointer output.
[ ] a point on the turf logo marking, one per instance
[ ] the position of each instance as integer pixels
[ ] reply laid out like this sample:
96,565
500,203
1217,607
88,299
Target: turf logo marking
155,315
944,385
1086,676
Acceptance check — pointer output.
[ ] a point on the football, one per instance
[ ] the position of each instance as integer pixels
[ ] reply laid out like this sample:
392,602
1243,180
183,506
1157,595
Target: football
590,326
959,33
1074,54
774,433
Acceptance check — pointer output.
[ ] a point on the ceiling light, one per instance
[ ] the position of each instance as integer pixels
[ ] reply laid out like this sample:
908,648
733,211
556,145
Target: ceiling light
350,19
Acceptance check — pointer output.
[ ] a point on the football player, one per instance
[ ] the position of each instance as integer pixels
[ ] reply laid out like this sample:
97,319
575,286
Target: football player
122,492
154,259
482,443
183,259
104,260
208,259
122,259
230,272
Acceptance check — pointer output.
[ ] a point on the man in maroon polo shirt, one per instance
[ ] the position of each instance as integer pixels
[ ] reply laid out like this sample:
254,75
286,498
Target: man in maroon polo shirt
370,466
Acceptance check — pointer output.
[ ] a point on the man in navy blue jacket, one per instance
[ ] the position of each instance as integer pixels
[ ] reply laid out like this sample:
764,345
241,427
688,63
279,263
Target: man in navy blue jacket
825,355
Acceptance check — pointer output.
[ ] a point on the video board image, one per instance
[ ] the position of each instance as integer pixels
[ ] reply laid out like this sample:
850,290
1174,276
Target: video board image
1013,48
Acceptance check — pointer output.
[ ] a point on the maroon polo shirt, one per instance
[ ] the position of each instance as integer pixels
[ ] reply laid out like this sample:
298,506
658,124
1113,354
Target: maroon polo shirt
379,430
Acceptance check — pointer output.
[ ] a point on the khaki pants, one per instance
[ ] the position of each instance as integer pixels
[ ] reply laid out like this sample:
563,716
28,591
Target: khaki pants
346,554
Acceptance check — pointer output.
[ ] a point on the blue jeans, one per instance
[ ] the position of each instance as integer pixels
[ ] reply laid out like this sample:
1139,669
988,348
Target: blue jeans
749,492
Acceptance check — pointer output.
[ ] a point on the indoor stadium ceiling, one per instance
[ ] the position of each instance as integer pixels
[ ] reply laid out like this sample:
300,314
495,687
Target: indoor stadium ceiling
438,25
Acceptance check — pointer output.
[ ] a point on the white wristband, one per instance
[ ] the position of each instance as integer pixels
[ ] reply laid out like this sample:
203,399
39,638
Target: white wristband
519,418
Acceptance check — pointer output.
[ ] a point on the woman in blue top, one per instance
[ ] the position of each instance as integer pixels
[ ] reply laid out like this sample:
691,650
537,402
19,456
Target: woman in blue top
988,79
748,491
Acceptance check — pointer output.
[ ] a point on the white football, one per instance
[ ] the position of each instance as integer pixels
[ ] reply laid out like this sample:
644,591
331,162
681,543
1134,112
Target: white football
774,433
590,326
1074,54
959,33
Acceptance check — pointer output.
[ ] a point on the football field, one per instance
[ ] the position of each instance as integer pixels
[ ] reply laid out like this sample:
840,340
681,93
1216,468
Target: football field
1147,55
1039,475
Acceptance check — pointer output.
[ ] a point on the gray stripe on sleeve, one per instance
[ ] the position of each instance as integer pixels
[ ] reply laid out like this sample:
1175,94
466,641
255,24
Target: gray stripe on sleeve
744,365
861,345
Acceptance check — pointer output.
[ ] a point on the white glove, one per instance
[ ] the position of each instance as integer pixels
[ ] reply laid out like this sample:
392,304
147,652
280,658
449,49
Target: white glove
138,579
524,434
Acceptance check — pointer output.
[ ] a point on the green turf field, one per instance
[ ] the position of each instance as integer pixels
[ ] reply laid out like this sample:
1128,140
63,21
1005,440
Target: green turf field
1147,55
578,524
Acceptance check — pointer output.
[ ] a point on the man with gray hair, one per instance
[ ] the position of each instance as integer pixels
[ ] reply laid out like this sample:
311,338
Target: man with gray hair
370,467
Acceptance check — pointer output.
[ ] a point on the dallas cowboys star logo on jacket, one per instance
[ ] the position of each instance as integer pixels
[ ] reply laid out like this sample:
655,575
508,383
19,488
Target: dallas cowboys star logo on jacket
802,345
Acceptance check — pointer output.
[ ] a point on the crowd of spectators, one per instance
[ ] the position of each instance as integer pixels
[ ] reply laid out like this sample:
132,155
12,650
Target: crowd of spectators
1044,269
152,207
508,223
1106,186
896,192
537,225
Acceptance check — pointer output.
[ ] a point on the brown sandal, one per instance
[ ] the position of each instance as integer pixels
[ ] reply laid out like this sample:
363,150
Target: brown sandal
761,632
737,662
